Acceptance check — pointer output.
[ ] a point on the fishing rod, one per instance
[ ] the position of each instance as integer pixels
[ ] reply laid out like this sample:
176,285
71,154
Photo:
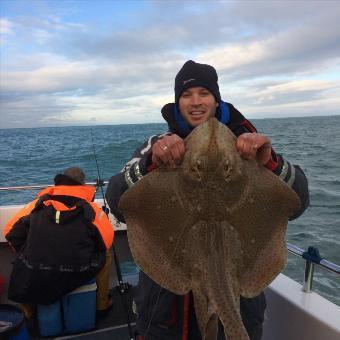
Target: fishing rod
122,286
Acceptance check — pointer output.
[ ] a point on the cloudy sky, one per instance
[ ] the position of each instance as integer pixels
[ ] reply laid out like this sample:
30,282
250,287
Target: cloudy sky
86,62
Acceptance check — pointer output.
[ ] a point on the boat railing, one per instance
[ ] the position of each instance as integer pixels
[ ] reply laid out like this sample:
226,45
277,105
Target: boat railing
311,256
43,186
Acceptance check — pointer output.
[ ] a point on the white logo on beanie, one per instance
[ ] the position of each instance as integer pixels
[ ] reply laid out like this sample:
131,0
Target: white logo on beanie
187,81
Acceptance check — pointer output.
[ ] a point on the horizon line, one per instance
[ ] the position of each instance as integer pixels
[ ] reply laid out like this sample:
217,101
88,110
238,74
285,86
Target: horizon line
154,123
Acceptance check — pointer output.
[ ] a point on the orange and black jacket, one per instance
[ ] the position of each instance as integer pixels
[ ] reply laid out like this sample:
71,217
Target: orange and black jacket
61,239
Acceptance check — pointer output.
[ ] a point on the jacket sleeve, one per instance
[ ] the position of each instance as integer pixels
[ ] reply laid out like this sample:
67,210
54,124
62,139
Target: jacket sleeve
103,224
16,229
291,174
134,170
294,176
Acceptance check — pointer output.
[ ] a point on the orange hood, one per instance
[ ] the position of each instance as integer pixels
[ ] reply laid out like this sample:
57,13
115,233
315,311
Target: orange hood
86,192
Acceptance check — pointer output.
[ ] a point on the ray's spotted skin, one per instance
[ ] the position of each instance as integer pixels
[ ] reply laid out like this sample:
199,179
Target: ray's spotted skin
228,252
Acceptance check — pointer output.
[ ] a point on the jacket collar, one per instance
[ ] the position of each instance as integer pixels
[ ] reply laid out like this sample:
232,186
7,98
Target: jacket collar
177,124
85,192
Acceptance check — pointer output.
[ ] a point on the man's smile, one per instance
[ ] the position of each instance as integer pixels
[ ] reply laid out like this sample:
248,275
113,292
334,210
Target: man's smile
197,112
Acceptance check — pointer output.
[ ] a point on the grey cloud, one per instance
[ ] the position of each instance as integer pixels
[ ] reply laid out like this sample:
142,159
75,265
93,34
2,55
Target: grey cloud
82,78
266,16
195,30
299,38
288,97
303,29
28,111
306,51
272,98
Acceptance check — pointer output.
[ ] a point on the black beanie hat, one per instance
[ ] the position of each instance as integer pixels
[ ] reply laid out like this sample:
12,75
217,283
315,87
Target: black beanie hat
194,74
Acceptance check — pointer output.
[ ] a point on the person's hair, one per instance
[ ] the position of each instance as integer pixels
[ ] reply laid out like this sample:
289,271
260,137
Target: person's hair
76,174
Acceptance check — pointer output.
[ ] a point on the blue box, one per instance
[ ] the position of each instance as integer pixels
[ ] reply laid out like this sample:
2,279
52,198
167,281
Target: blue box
79,309
49,319
74,313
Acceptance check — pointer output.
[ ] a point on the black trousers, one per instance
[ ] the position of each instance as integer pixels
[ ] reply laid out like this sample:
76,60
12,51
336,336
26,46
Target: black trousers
160,313
252,313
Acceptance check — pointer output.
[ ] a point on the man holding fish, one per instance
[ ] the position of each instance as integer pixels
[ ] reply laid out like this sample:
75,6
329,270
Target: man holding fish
161,313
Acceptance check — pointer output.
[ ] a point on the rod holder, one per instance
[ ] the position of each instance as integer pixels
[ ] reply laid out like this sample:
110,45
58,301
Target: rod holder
311,256
308,278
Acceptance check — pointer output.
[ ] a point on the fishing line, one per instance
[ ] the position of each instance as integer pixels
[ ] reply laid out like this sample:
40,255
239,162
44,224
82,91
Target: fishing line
123,287
100,183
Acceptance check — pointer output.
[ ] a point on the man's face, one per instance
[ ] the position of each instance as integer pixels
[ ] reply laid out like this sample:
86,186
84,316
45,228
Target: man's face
197,105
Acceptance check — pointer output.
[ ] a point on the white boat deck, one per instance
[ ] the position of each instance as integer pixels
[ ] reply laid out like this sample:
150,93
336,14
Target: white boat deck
295,315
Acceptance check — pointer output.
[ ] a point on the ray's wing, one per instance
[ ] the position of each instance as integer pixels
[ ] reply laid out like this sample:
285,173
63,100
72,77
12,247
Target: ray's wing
261,220
158,224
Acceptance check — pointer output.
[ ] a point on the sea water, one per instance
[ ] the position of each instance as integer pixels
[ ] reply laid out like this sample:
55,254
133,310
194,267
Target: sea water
35,156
